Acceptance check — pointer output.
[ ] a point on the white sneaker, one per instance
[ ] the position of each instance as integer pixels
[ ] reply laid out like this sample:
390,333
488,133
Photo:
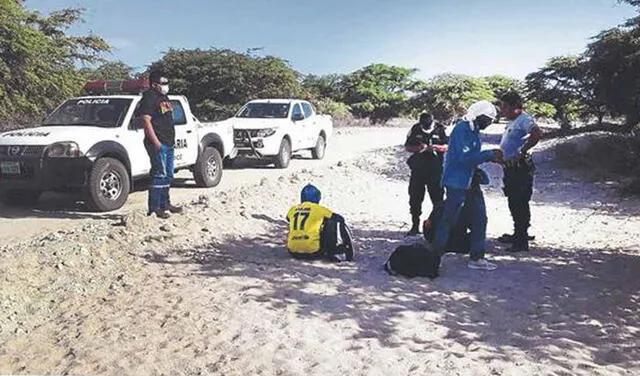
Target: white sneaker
340,257
482,264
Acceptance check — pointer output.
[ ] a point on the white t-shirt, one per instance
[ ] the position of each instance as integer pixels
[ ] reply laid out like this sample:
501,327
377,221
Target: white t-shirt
515,135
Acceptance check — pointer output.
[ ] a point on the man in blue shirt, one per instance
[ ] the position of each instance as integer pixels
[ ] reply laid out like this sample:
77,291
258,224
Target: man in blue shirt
461,161
519,137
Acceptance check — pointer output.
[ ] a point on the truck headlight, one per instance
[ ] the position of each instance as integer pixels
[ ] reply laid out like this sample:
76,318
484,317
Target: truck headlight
265,132
64,150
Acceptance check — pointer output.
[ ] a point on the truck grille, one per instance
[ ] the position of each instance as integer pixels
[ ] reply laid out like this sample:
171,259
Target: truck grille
240,137
21,150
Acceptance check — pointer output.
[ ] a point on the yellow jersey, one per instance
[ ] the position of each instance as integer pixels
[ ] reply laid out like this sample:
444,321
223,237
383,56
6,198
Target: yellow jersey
305,225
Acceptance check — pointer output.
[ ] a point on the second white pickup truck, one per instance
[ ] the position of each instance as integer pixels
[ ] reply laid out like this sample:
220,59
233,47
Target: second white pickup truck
274,129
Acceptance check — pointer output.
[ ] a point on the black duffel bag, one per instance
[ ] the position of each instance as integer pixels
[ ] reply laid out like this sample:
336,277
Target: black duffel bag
413,260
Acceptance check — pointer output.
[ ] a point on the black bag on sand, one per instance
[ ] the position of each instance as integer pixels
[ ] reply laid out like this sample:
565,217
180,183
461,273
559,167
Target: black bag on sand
414,260
336,239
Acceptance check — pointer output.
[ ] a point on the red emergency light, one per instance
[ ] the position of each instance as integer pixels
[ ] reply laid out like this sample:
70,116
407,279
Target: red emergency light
117,87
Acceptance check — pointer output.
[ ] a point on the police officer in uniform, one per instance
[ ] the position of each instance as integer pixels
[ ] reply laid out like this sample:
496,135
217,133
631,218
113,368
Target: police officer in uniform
427,141
520,136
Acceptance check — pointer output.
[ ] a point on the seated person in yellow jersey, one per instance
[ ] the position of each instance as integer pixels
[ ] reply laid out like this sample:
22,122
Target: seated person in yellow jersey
315,231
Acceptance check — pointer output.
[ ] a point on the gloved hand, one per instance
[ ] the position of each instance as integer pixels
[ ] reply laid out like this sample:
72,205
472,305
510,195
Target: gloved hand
512,162
498,156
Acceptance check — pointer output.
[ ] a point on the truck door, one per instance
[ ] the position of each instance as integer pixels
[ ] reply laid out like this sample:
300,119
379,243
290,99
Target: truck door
186,149
297,127
140,163
311,127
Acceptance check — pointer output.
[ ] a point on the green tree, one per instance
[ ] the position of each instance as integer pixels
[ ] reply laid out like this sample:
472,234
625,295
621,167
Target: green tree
540,109
378,91
447,96
38,60
614,68
502,84
113,70
326,87
565,83
631,2
217,82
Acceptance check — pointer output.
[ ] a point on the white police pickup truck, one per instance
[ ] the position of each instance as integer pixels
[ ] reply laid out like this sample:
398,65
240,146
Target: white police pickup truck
94,145
273,129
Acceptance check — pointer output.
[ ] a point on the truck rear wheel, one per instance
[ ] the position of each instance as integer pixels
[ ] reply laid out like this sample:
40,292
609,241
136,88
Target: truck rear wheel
19,197
109,185
318,151
208,169
284,156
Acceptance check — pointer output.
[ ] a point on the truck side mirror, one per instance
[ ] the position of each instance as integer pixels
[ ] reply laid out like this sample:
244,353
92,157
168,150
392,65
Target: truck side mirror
297,117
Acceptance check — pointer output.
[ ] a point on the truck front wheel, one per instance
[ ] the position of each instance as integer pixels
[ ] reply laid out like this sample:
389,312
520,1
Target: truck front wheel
284,156
208,169
109,185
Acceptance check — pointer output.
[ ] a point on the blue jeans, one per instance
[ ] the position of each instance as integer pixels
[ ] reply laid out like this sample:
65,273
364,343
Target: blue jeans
456,199
161,177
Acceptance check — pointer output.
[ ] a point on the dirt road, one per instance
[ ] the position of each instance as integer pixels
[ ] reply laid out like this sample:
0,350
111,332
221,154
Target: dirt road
56,211
213,292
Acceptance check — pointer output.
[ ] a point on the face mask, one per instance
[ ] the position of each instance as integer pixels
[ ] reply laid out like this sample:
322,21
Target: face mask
164,89
483,121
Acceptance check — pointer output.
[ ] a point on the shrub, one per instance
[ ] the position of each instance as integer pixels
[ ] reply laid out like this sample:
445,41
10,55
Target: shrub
604,155
330,107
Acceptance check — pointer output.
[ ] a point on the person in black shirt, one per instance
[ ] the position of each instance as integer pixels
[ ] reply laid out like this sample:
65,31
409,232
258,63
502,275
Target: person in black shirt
427,141
157,119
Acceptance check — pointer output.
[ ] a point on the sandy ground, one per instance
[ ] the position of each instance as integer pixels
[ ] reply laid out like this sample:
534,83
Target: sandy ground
213,292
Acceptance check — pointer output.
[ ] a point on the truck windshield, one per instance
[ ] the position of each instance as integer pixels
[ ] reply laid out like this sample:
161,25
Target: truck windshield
95,112
264,111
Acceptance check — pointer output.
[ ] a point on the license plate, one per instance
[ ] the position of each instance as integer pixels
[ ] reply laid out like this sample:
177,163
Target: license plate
10,168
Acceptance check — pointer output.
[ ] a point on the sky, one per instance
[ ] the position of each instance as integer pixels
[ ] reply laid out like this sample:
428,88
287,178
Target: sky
475,37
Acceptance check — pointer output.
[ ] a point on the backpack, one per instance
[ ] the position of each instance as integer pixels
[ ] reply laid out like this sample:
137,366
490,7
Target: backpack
414,260
460,237
336,239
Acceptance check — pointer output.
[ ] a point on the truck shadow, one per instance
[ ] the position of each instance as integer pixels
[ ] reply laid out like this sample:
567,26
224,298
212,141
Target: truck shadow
53,210
72,206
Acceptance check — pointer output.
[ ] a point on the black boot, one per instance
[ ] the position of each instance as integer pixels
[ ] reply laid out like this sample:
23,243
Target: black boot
175,209
520,243
415,227
509,238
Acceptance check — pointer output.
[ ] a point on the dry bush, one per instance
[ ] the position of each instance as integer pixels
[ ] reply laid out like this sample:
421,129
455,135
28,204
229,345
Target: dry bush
604,154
